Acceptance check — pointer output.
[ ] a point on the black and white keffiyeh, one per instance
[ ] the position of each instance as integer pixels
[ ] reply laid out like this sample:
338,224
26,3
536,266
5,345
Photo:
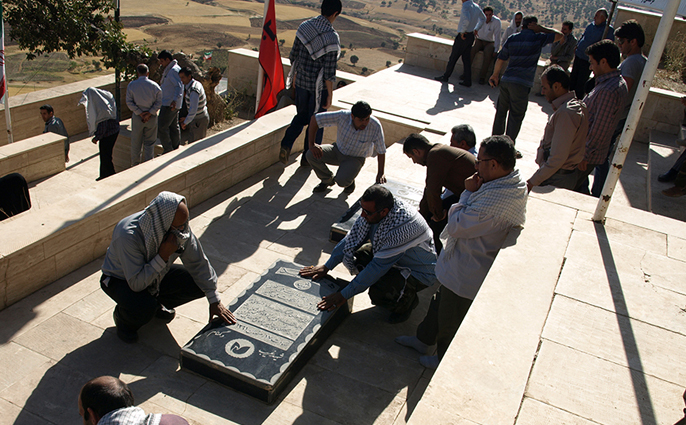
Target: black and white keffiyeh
130,416
318,37
503,200
156,220
403,228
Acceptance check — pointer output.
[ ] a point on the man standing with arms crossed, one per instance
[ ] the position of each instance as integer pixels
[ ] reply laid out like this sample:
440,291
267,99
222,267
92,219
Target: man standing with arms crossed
471,19
172,97
313,61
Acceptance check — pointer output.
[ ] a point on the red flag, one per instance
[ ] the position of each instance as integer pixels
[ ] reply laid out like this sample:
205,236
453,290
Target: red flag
270,60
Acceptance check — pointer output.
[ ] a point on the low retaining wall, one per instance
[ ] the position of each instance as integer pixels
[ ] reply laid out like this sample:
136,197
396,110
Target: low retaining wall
34,158
39,248
24,109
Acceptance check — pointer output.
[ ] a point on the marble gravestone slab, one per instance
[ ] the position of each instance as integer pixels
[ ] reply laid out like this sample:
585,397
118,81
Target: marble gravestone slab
409,194
279,328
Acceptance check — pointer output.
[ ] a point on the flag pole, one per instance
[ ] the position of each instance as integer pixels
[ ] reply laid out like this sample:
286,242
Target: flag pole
5,89
260,71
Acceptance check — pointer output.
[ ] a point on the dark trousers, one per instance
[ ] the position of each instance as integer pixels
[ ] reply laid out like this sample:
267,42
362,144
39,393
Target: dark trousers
438,226
392,291
14,195
601,171
488,48
135,309
168,130
582,182
444,317
511,108
579,76
461,48
106,145
679,162
305,106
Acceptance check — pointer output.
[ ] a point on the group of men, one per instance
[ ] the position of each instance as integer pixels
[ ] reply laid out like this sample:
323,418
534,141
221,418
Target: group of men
580,135
162,111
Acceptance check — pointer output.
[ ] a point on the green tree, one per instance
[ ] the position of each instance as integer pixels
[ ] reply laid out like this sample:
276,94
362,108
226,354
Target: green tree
354,59
388,63
364,70
76,27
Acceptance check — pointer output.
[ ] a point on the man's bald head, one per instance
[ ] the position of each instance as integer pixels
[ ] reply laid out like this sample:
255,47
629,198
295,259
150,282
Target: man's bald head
101,396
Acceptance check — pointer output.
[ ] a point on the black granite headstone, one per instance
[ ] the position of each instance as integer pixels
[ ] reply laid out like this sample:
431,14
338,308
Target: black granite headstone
279,329
409,194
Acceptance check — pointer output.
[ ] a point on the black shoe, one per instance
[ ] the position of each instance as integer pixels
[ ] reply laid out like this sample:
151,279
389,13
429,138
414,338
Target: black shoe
441,78
322,187
464,83
303,161
668,176
396,318
165,314
518,155
349,189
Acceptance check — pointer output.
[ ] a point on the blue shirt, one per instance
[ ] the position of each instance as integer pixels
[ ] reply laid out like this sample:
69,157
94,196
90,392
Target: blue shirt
144,95
172,87
592,35
471,17
420,261
523,50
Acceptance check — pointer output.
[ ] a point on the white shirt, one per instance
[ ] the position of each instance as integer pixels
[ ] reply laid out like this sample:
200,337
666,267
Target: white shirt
350,141
478,241
491,31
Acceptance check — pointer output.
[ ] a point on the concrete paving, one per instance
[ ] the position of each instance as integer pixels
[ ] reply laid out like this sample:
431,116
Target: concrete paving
605,347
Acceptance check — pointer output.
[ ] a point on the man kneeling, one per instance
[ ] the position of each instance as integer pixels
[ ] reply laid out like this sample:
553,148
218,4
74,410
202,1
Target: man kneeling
398,263
139,273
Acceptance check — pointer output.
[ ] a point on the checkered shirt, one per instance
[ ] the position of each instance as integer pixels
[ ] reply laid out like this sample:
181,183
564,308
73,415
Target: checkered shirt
604,103
352,142
308,69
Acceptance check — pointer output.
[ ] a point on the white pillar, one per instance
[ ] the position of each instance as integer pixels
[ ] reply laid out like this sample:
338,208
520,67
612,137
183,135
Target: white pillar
636,108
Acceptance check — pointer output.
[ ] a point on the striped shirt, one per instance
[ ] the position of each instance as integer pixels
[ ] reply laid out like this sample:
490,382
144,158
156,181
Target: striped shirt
523,50
350,141
196,101
604,103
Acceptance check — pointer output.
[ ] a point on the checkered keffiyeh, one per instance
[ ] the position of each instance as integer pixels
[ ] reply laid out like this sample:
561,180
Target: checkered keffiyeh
503,200
130,416
157,219
403,228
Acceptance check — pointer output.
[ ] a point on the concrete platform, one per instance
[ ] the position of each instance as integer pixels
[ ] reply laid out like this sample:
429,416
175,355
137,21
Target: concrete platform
576,323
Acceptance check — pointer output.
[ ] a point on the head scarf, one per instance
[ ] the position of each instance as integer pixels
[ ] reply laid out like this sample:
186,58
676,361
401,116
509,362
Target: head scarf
402,228
502,199
513,28
100,106
157,219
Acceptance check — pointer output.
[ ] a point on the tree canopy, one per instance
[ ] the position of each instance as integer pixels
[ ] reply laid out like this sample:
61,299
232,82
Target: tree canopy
76,27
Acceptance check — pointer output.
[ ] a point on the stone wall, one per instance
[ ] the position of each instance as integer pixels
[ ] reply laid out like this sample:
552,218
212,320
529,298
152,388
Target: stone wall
25,114
34,158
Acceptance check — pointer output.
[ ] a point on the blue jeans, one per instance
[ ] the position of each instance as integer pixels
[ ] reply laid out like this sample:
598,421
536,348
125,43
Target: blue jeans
305,105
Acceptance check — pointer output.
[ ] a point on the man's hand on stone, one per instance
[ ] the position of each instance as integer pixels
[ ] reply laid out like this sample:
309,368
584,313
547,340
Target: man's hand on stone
168,247
218,310
473,182
315,272
317,151
331,302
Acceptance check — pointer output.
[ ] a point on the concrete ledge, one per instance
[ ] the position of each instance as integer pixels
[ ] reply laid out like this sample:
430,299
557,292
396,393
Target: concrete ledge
40,248
34,158
483,376
26,120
